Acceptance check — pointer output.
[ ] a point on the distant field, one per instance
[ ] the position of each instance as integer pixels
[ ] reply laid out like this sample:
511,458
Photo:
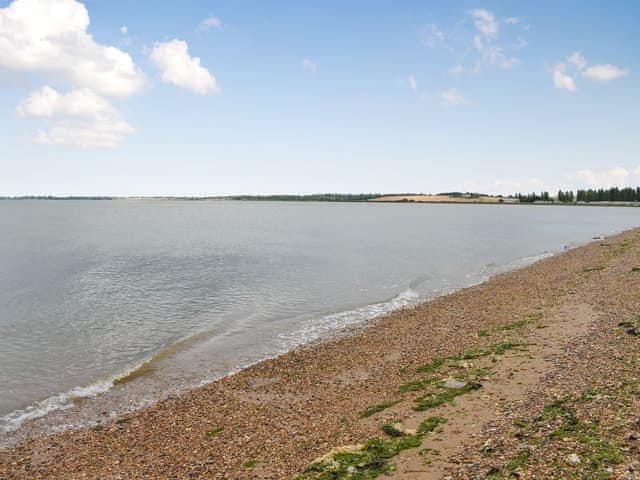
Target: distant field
442,199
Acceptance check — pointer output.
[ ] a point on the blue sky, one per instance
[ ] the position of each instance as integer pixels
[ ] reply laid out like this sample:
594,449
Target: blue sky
309,96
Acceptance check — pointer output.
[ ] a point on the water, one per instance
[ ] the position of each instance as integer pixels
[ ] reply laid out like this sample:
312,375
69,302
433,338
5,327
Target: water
170,294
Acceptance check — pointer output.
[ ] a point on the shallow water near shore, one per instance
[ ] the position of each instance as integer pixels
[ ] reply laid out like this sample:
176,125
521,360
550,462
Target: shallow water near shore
128,301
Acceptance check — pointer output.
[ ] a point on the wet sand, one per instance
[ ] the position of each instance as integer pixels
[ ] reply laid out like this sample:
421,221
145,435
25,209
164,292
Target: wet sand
552,352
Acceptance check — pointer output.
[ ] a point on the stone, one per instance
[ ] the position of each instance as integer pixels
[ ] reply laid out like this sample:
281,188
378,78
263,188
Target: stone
453,383
573,459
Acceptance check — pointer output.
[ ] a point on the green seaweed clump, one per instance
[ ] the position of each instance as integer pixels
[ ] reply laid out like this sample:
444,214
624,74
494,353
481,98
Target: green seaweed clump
433,366
430,424
447,395
417,385
593,269
215,432
371,459
378,408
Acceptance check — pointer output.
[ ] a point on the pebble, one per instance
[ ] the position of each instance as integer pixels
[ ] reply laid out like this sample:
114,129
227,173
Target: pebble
453,383
573,459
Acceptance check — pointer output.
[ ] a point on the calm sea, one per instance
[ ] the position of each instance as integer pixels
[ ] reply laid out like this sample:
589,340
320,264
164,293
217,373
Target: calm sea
171,294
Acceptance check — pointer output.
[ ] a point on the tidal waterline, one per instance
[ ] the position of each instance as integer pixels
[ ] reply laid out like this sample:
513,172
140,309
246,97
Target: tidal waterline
174,293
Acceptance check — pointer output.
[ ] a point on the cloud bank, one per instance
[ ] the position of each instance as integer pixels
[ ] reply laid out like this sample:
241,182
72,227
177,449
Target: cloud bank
50,39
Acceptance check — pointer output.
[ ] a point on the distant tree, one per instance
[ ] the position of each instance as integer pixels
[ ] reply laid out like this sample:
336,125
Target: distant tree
613,194
565,196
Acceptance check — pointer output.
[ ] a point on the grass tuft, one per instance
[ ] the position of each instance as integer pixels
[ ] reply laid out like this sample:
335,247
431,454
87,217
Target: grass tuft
417,385
430,424
593,269
215,432
448,395
433,366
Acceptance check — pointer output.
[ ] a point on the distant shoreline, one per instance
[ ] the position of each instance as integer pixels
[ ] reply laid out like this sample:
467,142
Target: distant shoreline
340,198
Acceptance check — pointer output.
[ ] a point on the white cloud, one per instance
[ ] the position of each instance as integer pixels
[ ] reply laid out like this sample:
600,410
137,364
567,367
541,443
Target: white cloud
482,38
80,118
431,36
577,65
493,54
485,41
577,60
413,83
451,98
615,177
179,68
485,22
47,102
561,80
520,43
99,133
50,37
477,42
604,73
456,70
637,171
309,66
210,22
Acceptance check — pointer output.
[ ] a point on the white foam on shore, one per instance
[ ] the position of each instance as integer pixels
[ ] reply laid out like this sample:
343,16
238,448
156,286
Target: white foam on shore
491,269
65,400
317,328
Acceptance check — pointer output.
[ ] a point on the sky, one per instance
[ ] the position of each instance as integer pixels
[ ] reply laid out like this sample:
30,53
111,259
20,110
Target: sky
255,97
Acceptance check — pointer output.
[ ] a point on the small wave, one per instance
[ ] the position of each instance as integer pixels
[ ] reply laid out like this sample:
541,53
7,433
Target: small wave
65,400
315,329
491,269
61,401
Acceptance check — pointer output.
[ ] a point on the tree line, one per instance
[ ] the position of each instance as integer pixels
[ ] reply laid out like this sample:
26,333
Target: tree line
613,194
316,197
533,197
